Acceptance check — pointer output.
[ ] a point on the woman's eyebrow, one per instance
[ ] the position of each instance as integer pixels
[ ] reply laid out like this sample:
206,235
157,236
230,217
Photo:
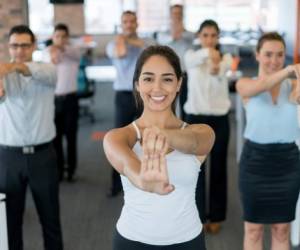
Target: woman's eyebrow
164,74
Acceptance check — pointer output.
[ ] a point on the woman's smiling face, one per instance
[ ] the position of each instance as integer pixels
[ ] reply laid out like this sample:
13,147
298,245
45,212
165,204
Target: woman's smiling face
158,84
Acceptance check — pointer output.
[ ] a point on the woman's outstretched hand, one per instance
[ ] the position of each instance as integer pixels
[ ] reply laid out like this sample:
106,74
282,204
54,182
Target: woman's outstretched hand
154,174
296,71
2,91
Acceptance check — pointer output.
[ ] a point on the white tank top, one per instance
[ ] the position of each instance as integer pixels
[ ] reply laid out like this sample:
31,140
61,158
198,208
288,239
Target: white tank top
163,219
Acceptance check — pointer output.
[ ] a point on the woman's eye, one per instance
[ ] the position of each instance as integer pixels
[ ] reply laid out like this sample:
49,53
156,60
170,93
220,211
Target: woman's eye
268,54
281,55
168,80
147,79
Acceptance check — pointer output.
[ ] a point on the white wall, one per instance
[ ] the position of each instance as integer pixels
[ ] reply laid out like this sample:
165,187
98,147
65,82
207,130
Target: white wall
287,22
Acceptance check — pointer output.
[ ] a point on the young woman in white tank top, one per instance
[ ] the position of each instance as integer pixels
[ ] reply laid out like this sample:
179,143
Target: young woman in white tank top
158,157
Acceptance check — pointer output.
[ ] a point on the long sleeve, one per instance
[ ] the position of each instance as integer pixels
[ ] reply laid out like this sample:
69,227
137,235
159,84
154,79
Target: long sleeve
72,53
225,65
195,58
2,98
44,73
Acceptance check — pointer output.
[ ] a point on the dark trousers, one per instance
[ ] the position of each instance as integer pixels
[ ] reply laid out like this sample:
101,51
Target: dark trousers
66,122
125,113
217,195
183,96
121,243
39,172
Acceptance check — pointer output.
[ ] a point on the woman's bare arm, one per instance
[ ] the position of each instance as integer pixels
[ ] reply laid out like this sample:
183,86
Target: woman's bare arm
149,174
197,139
248,87
118,145
295,93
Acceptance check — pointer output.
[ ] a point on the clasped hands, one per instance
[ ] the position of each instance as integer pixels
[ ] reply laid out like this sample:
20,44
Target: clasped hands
214,61
55,53
5,69
294,70
154,174
2,91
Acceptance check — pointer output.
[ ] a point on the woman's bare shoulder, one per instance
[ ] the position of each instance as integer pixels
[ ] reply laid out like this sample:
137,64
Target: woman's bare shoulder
123,134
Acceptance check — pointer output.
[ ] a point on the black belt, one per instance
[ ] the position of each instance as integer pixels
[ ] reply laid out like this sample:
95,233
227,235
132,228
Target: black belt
26,149
62,97
3,199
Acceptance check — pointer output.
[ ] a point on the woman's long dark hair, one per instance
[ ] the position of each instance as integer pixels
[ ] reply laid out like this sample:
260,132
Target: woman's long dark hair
210,23
157,50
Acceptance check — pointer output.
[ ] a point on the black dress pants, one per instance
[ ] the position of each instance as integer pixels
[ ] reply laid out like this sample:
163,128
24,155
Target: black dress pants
217,195
125,113
39,172
66,122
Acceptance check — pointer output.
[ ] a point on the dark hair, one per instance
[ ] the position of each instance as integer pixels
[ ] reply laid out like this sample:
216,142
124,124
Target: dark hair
62,27
208,23
270,36
155,50
22,29
128,12
176,6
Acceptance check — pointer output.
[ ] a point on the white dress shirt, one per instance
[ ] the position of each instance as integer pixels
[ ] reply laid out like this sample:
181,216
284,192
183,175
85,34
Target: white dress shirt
207,94
27,109
180,46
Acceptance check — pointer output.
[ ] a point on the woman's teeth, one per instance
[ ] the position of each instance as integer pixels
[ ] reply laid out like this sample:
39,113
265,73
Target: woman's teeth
158,98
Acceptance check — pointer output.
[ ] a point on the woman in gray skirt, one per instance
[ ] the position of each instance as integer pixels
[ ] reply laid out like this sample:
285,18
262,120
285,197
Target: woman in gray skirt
269,167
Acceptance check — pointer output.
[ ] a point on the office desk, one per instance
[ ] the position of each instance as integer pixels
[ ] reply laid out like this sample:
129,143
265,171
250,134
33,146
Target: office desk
101,74
3,224
233,77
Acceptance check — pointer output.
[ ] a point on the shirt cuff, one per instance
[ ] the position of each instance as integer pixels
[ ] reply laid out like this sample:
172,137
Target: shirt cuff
2,98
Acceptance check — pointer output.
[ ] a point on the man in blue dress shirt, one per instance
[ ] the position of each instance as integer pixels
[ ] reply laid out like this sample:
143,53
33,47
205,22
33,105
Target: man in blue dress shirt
124,51
27,157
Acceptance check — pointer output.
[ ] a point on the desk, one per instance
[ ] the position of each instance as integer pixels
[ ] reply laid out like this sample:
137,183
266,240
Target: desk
3,224
101,73
233,77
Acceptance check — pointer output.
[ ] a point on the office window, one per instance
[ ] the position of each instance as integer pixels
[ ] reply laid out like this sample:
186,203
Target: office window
104,16
232,14
228,15
41,15
153,15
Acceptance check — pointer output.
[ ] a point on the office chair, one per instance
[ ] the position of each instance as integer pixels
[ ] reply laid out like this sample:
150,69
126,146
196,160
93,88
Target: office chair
86,92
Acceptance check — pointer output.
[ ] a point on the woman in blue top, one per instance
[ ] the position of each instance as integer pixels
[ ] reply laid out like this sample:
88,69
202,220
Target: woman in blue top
158,157
269,167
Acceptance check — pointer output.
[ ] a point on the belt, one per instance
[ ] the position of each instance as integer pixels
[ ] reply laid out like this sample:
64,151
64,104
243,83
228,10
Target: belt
62,97
26,149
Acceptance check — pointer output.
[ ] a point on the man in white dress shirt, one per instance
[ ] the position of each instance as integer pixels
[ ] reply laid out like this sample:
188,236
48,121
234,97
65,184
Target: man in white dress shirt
27,156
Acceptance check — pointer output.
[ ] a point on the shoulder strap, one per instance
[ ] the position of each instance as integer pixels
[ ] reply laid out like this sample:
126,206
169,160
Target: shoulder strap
138,133
184,124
